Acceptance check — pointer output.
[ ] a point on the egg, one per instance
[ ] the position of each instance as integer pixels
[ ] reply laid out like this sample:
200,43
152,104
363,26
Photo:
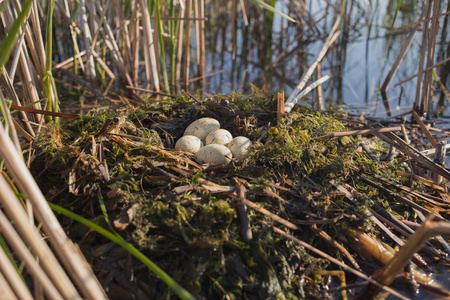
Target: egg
239,146
201,127
214,154
219,136
189,143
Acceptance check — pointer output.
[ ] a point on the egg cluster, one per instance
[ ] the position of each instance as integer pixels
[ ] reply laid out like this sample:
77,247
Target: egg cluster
211,144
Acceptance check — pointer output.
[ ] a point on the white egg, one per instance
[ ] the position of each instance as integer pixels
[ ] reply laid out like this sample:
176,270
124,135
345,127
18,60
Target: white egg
218,136
214,154
239,146
201,127
189,143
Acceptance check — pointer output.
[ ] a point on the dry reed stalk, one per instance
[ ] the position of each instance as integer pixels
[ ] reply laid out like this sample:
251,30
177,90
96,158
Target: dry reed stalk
179,47
67,251
26,70
444,61
387,274
330,241
197,30
72,32
439,158
39,53
293,98
112,44
246,230
187,38
21,249
426,94
97,26
290,105
33,237
332,36
135,40
339,263
280,106
400,57
424,129
157,46
417,104
16,53
5,289
201,36
244,12
233,23
34,44
70,60
271,215
7,118
319,103
359,132
415,154
128,50
12,278
90,67
6,83
149,47
103,65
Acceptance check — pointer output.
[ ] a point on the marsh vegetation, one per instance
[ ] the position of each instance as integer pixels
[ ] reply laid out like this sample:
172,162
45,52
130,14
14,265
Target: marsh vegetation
332,200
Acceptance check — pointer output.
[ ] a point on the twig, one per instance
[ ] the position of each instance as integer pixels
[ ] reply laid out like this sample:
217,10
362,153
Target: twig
324,236
387,274
339,263
359,132
288,106
246,231
271,215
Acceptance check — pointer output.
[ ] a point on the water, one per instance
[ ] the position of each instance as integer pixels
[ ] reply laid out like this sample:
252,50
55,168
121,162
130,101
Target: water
273,53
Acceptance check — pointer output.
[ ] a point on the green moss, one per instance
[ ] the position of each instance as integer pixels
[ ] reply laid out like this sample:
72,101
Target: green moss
195,235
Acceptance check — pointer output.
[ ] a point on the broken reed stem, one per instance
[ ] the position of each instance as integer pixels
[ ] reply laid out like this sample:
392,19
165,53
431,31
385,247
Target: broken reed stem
424,129
271,215
337,262
359,132
331,39
280,106
246,230
290,105
319,103
439,159
401,55
387,274
328,239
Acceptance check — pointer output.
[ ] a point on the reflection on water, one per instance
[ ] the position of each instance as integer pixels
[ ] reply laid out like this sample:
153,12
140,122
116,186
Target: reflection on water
273,53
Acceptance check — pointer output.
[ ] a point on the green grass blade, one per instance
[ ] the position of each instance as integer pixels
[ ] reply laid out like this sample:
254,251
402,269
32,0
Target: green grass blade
103,207
19,269
8,42
272,9
179,290
3,6
47,81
